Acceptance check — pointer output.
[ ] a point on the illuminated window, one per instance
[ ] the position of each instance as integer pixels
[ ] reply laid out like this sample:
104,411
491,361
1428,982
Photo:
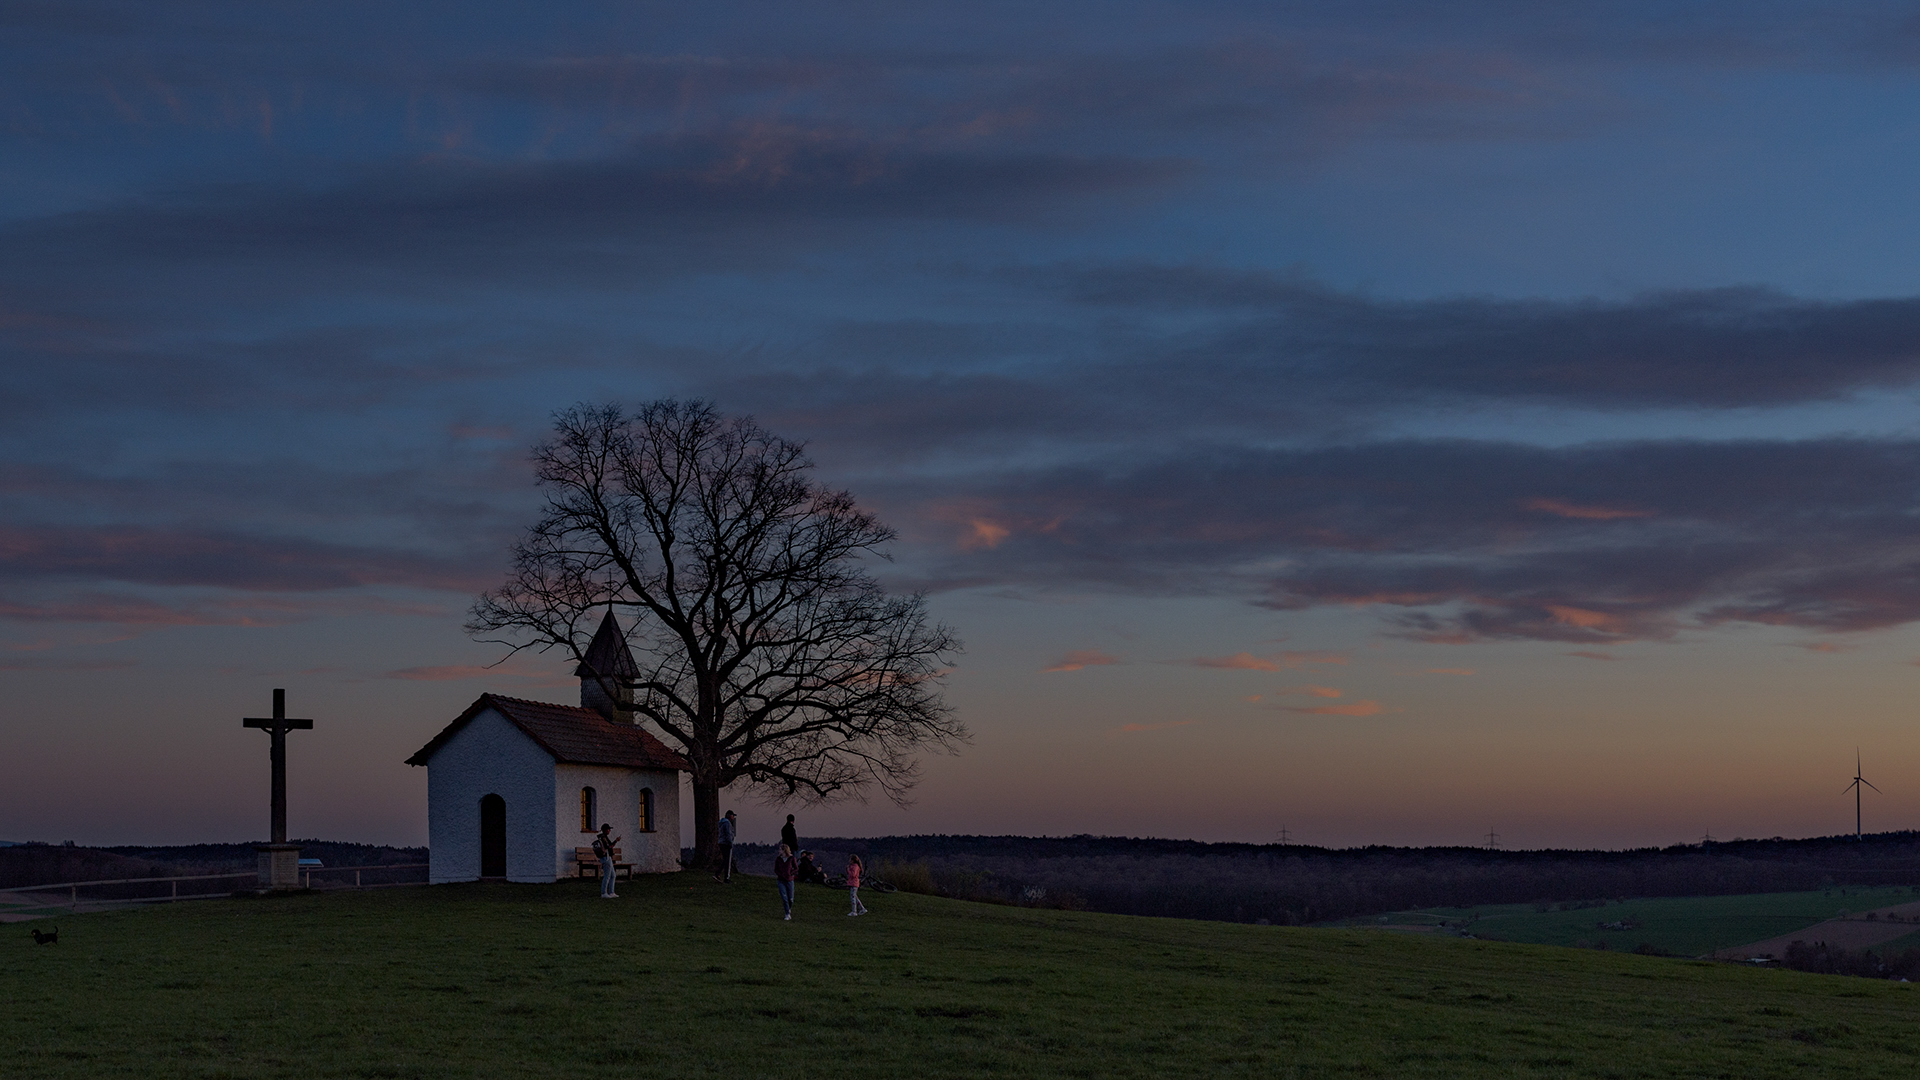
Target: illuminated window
587,811
646,809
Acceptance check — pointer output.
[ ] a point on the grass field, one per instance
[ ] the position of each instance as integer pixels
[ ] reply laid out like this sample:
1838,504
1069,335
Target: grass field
685,978
1683,926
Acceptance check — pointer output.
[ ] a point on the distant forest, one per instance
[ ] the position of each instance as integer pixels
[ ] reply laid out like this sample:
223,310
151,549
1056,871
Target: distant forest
1295,884
1288,884
40,864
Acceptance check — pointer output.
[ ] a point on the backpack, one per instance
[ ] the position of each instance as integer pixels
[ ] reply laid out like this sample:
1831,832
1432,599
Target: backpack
602,847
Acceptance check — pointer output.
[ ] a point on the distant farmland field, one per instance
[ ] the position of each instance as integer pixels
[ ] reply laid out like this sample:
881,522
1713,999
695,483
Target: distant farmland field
1295,884
1682,926
683,977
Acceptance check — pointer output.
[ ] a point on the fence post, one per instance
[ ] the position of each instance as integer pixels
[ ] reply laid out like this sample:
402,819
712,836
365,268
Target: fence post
76,898
356,879
176,888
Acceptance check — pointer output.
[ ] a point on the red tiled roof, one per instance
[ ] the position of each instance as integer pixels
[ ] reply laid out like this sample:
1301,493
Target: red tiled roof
573,735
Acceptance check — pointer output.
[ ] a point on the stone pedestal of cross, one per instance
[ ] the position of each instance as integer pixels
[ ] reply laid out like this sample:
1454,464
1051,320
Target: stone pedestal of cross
279,861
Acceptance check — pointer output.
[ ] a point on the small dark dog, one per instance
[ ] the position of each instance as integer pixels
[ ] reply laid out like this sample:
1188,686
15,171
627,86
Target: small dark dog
48,938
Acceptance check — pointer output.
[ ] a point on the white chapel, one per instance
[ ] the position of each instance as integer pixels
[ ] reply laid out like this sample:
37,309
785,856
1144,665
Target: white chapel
515,787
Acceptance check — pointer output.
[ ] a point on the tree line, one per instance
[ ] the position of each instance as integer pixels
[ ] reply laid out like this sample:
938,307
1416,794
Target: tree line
1297,884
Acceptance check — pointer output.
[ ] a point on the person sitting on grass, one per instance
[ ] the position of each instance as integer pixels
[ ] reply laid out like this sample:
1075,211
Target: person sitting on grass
853,886
809,871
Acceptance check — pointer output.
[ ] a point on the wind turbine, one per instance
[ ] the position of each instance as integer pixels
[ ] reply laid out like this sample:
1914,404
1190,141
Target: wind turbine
1855,788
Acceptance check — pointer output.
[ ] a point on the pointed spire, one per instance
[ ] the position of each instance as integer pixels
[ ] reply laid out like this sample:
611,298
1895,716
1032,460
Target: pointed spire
607,653
604,673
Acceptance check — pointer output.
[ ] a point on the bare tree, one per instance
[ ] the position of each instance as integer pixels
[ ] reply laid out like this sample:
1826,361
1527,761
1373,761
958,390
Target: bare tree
765,647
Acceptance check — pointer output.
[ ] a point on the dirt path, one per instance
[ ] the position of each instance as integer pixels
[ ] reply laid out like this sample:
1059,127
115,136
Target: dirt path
1862,931
15,907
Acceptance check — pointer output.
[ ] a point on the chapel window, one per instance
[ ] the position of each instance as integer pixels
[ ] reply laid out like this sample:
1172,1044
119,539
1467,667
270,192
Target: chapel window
646,809
588,812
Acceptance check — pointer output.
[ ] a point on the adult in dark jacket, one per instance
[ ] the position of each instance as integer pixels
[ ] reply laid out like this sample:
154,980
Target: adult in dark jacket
724,870
788,836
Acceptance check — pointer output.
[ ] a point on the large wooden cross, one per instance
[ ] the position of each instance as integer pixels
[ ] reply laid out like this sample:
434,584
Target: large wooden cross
278,725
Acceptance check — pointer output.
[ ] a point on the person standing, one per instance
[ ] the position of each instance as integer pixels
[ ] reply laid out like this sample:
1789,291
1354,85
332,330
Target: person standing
603,846
788,836
785,869
853,886
725,871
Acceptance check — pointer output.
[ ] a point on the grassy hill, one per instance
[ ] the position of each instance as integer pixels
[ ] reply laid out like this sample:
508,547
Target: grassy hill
686,978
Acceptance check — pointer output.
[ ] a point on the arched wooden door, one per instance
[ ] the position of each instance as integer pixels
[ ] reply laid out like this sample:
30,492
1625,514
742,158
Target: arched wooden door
493,836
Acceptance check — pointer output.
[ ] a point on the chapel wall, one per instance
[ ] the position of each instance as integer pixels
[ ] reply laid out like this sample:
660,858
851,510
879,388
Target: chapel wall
617,791
489,755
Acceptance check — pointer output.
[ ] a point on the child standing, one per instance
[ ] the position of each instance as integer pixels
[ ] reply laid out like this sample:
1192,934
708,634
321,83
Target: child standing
785,869
853,886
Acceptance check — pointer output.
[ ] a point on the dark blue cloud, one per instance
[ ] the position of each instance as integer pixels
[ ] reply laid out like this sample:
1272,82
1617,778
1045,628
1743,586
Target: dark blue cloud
1728,347
189,557
1469,540
354,230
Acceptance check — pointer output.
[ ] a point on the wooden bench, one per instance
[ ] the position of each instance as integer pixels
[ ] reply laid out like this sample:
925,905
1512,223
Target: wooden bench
589,864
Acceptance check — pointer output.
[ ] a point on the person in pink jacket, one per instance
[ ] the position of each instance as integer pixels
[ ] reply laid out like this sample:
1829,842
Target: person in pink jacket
853,886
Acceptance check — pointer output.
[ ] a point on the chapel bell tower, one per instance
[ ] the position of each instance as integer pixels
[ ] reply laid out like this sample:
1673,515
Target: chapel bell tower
606,672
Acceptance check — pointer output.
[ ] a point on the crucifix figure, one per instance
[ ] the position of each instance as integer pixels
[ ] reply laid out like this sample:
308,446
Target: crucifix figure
279,860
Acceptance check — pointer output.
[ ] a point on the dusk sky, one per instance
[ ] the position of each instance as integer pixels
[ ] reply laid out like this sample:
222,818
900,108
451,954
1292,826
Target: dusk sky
1387,421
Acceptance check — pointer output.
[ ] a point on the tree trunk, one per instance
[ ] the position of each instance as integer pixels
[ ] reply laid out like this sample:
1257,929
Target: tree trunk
706,821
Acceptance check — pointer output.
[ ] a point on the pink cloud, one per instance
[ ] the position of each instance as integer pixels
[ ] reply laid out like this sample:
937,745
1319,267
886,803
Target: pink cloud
1451,671
1584,654
1586,619
1565,509
1358,708
983,534
1082,658
985,524
1824,646
1315,691
1271,662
